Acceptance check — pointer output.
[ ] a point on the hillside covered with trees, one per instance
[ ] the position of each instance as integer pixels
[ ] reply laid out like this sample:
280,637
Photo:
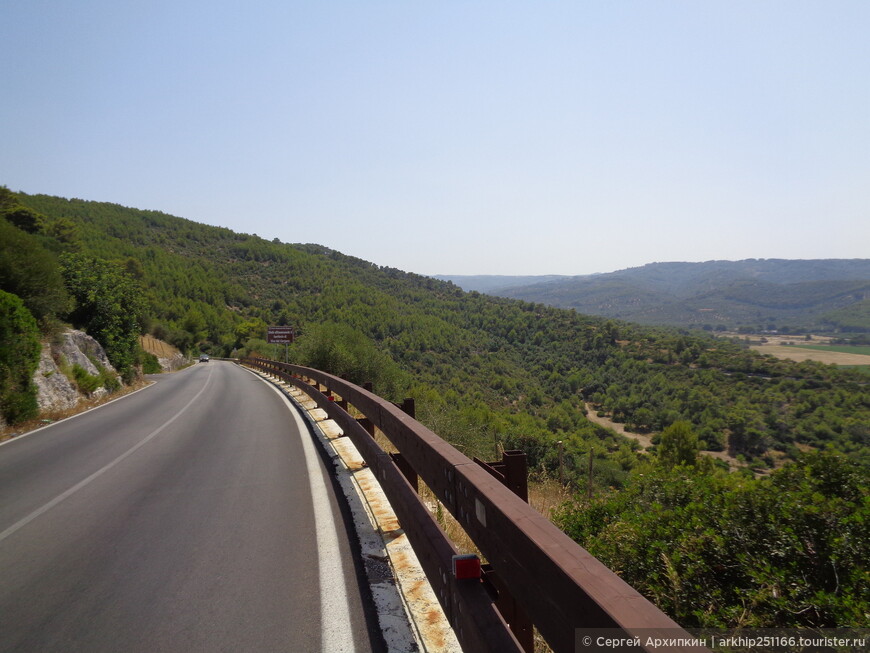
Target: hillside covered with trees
487,372
790,296
509,370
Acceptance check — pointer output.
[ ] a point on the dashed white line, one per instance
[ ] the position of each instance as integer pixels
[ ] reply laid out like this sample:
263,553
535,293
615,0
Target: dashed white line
78,486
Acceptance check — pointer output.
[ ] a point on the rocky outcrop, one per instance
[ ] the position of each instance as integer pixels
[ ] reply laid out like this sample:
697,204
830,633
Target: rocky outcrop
173,362
56,392
80,349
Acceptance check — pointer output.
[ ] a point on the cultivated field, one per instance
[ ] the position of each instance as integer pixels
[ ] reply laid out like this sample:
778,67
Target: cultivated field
797,353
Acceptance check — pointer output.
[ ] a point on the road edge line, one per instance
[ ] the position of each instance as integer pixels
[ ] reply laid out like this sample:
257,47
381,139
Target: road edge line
409,614
151,384
336,632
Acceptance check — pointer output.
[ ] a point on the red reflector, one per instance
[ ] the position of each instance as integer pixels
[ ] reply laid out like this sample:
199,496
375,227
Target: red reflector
466,566
331,398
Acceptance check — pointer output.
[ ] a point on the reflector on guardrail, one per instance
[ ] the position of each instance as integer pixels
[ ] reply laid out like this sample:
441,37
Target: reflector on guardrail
466,566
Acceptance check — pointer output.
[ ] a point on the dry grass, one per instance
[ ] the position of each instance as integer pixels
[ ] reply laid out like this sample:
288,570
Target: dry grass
795,353
157,347
384,443
546,496
448,523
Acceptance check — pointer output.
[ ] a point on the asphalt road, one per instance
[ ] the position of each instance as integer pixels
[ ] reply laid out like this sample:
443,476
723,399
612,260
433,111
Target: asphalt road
180,518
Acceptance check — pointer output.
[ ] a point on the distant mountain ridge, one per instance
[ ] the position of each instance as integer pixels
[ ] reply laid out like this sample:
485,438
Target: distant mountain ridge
818,294
493,284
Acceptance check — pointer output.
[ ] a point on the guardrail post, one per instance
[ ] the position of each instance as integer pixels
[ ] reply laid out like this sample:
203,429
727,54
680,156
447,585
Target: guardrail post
408,407
512,472
367,424
343,403
407,471
517,619
516,472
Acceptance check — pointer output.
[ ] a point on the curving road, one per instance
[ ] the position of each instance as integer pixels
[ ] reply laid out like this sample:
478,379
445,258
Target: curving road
180,518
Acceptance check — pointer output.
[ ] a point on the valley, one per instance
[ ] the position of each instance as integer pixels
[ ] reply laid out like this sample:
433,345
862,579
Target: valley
492,373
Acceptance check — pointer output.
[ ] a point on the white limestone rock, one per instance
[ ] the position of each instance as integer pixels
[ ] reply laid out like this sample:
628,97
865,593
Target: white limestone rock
55,391
79,348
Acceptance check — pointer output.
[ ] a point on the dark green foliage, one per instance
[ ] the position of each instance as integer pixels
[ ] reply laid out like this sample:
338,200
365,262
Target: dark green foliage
31,271
8,199
852,319
727,550
85,381
107,305
88,383
529,366
150,364
678,445
64,232
19,216
25,219
346,352
19,358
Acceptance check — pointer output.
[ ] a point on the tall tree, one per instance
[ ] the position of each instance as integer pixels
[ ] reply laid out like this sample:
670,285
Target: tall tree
108,306
679,445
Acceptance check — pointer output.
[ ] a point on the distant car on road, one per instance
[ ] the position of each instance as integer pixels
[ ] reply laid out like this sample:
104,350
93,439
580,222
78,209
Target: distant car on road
203,358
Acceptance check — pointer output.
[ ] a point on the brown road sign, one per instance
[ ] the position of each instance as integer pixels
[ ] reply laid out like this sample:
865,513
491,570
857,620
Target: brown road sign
280,335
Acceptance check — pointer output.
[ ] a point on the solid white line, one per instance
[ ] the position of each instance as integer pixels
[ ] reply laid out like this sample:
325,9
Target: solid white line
78,486
87,411
336,632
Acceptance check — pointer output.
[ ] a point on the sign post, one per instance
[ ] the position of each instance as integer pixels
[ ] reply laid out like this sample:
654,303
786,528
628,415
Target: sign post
281,335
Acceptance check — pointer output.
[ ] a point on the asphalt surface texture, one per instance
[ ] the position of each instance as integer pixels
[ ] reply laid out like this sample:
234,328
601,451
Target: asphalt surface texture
179,518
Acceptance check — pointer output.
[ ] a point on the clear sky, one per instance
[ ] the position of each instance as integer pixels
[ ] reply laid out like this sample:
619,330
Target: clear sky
460,137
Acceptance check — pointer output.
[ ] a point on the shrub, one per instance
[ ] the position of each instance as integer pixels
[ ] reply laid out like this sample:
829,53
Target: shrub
342,350
19,358
150,363
727,550
86,382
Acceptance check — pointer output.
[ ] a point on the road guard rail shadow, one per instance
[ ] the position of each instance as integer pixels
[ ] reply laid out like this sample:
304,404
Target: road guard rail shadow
537,574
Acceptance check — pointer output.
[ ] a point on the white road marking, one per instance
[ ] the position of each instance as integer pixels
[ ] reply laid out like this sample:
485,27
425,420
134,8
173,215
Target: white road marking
87,411
336,632
78,486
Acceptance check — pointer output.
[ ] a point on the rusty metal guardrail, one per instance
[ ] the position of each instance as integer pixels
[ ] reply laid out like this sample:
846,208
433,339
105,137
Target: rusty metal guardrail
562,588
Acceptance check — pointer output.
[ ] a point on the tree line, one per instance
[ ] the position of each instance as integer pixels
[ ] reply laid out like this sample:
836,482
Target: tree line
489,374
46,282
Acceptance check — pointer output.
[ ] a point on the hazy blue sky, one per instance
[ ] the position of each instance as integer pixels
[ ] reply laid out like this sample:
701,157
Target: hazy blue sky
457,137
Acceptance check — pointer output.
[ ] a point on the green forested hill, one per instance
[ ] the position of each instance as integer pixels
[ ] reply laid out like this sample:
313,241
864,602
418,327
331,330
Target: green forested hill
485,369
763,294
489,372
